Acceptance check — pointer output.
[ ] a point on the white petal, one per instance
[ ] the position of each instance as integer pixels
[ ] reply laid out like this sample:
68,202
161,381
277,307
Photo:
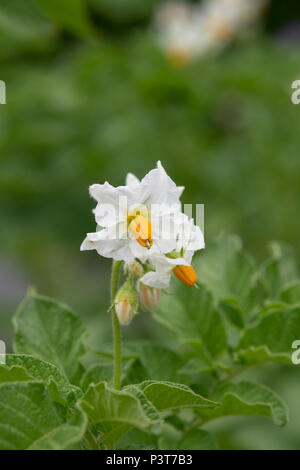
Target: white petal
132,180
156,279
137,250
107,246
112,203
158,188
188,256
179,190
197,240
164,227
178,261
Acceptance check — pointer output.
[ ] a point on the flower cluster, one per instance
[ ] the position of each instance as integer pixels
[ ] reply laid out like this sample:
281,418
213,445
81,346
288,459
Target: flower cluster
142,224
190,30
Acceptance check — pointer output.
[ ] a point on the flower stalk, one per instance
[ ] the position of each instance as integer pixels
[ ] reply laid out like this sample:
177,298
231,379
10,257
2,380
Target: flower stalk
116,325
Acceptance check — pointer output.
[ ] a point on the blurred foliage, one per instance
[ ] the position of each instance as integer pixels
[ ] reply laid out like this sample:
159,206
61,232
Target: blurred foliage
90,96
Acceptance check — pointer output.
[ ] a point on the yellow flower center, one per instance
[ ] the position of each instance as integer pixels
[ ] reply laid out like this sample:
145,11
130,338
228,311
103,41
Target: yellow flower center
140,226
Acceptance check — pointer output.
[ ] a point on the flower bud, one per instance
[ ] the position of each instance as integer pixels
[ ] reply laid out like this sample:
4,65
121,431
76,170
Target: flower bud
126,303
136,268
150,296
185,274
124,312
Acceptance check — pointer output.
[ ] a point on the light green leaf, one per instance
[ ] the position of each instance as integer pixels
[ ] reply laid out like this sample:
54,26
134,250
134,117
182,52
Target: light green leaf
105,405
71,14
247,398
13,374
169,437
136,439
114,413
148,407
198,439
20,367
172,396
65,436
228,273
290,294
111,433
50,331
193,317
279,270
271,338
30,420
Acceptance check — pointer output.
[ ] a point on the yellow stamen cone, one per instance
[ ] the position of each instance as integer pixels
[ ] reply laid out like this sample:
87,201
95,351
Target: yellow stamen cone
185,274
141,229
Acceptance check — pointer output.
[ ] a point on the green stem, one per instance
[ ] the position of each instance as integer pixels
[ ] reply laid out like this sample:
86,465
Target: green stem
116,325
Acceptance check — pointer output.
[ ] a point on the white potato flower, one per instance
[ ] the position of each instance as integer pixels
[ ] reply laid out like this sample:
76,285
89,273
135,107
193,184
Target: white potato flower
136,220
189,30
178,261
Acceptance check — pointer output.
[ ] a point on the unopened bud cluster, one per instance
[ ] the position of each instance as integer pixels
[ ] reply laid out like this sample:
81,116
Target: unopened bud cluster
133,294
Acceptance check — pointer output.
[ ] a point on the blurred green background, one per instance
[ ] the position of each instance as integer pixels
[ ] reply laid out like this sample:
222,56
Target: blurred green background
91,96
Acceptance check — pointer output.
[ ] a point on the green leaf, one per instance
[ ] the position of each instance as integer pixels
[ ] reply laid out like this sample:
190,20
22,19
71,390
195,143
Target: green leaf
13,374
20,367
133,372
136,439
193,317
233,311
172,396
271,338
148,407
198,439
195,366
50,331
247,398
169,437
105,405
95,374
23,21
228,273
30,420
144,360
71,14
114,413
64,437
290,294
159,362
279,270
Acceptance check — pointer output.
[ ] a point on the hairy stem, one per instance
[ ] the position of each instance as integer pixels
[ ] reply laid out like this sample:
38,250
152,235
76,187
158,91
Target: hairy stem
116,325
